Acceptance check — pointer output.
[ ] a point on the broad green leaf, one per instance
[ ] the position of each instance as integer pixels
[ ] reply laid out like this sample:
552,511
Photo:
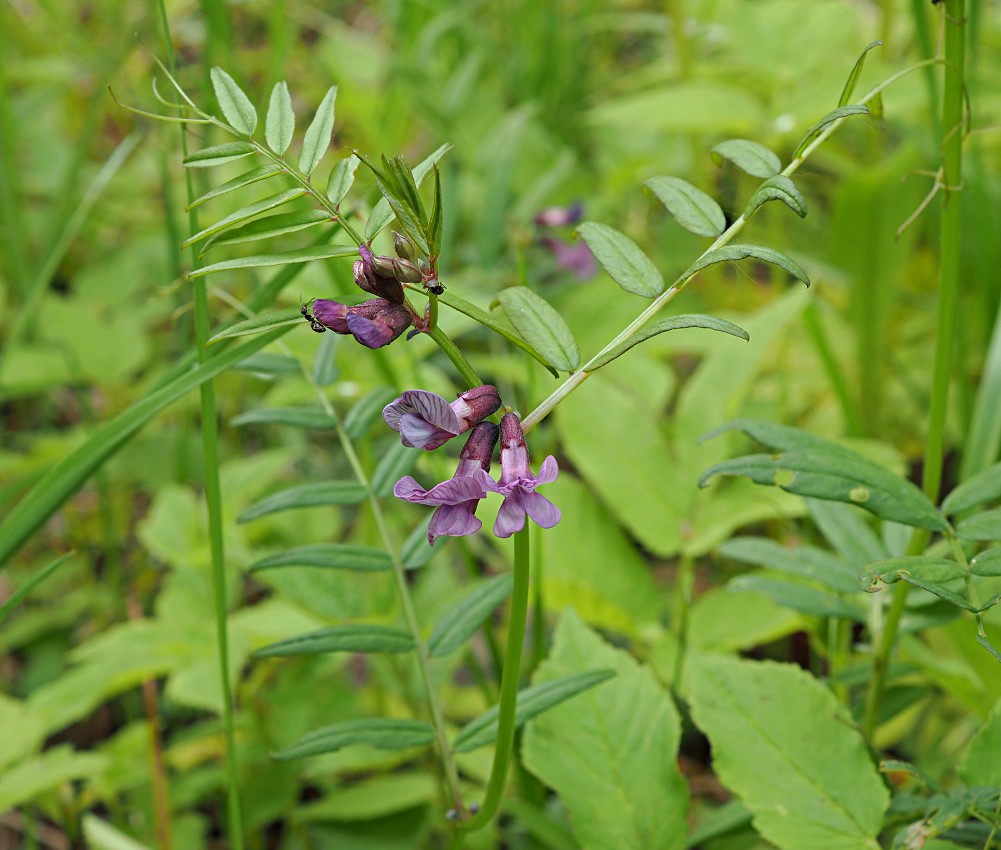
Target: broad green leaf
317,138
623,259
777,188
838,114
461,621
247,212
235,105
25,589
218,155
246,179
383,732
285,317
980,764
825,470
342,176
268,227
723,621
382,213
693,208
46,772
852,81
306,496
331,556
368,799
741,252
611,753
296,417
301,255
356,637
531,702
541,327
69,473
718,822
328,556
393,465
460,305
783,743
922,567
987,563
798,596
748,156
366,411
806,562
983,526
279,125
687,320
983,487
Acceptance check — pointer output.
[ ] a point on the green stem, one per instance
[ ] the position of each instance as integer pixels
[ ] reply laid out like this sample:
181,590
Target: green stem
452,353
509,686
949,241
213,501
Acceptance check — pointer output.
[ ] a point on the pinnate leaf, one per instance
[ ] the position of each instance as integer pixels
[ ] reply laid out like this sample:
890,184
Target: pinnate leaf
296,417
382,732
832,116
258,261
685,320
218,154
247,212
246,179
852,81
268,227
317,138
981,488
258,324
985,525
331,556
279,125
623,259
462,620
541,327
342,176
310,495
693,208
382,212
356,637
741,252
235,104
777,188
753,158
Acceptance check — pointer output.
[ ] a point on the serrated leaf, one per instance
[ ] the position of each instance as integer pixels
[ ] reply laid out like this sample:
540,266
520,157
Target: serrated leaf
812,466
981,488
741,252
393,465
310,495
367,409
460,305
623,259
611,753
356,637
317,138
247,212
748,156
852,81
531,702
300,255
260,323
692,208
798,596
541,327
983,526
246,179
829,118
342,176
784,744
777,188
685,320
268,227
463,619
328,556
382,213
296,417
382,732
235,104
987,563
218,154
279,125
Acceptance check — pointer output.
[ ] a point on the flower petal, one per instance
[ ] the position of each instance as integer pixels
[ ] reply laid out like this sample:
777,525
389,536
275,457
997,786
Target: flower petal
510,517
433,408
456,490
370,333
408,488
547,472
540,509
453,521
418,433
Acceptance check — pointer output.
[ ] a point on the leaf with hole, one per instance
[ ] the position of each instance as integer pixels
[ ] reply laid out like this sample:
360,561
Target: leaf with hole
541,327
623,259
462,620
691,207
356,637
311,495
777,188
741,252
317,138
753,158
382,732
235,104
327,556
279,125
674,323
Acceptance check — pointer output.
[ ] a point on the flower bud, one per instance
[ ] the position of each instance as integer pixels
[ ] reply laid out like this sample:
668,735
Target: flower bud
406,271
374,323
479,448
369,279
476,404
405,248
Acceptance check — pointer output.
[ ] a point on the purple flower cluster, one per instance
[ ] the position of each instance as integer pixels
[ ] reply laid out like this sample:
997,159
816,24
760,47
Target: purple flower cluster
425,420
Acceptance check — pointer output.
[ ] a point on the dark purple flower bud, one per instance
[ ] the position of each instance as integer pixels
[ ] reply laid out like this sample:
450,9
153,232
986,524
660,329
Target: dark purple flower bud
457,518
517,484
560,216
374,323
404,246
426,420
575,257
369,278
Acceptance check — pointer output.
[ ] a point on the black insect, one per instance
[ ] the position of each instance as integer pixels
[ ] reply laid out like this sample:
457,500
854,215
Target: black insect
433,286
314,323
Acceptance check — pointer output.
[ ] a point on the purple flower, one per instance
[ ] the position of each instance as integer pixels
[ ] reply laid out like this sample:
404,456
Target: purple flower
372,276
560,216
517,484
458,497
426,420
374,323
575,257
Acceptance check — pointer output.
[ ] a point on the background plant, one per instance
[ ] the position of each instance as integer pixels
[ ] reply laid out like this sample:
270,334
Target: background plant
788,374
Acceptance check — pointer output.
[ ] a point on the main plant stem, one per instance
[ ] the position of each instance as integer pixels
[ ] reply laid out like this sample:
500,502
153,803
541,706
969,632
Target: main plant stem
948,291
